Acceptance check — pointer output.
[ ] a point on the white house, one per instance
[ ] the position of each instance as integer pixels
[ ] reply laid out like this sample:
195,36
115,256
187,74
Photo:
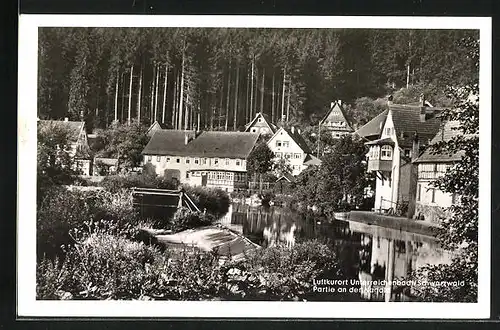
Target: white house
404,131
288,144
78,142
335,120
432,203
261,125
213,159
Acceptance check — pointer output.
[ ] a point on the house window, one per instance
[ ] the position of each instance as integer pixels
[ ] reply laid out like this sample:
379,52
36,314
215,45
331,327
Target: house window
227,161
374,152
196,161
386,153
187,160
278,155
433,195
178,160
168,159
297,155
388,131
287,155
238,162
216,161
204,161
149,158
158,158
286,144
278,143
419,192
187,175
260,120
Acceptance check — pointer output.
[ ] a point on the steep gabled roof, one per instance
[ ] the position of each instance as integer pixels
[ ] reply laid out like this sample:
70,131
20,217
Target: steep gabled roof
407,122
286,176
312,160
448,131
206,144
373,128
74,128
156,125
296,137
337,114
271,126
76,135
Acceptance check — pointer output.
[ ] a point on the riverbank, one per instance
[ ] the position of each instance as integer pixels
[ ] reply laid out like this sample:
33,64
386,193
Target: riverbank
398,223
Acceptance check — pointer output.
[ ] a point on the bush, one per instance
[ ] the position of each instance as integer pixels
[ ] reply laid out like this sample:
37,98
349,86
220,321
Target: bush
214,201
62,210
115,183
105,266
186,219
280,273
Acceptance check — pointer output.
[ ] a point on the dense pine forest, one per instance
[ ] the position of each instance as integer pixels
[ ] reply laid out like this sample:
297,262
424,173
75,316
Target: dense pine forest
218,78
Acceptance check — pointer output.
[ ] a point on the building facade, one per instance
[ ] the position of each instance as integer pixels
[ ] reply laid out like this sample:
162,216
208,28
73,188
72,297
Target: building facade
261,125
431,202
405,130
210,159
288,144
335,121
79,148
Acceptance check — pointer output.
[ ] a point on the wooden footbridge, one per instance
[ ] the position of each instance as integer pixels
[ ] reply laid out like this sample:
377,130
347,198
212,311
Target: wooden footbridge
162,203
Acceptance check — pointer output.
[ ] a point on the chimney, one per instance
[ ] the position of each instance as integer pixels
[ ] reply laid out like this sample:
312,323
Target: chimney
293,129
389,100
66,119
186,138
298,130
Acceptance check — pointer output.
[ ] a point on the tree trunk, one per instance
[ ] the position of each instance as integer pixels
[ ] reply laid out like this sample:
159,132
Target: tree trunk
236,96
262,91
227,98
151,119
174,107
156,90
116,94
288,100
186,110
212,112
164,94
283,96
250,115
130,94
272,105
123,98
247,98
220,109
139,96
181,96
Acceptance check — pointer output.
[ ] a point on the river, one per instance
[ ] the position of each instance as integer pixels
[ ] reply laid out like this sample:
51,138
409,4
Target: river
368,253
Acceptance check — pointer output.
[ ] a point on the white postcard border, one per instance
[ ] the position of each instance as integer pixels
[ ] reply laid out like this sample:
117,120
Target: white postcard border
28,306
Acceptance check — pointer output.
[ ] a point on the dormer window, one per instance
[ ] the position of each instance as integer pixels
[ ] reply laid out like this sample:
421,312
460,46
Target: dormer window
386,153
278,143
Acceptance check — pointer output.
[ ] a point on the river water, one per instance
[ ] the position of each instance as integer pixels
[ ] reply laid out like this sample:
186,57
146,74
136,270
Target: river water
368,253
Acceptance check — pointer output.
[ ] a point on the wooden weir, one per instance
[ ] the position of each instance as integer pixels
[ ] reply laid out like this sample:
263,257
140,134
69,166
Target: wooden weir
161,203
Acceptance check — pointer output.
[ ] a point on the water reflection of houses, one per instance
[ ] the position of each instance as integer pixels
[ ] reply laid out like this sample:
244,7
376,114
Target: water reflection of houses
388,255
364,252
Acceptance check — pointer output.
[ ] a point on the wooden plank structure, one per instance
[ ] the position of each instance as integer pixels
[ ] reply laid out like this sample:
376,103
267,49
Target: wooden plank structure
161,203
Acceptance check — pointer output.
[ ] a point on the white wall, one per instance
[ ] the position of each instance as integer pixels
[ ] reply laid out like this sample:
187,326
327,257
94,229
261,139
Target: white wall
297,154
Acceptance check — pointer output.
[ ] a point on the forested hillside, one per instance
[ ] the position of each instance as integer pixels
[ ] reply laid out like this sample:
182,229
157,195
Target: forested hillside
219,78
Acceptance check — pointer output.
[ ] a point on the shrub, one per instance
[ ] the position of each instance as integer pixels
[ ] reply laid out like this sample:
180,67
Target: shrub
281,273
214,201
186,219
116,183
62,210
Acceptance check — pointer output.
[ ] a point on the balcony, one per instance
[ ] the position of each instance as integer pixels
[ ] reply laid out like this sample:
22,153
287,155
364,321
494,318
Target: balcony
379,165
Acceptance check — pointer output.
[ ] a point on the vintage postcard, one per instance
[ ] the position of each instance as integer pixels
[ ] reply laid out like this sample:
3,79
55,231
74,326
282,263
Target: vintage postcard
254,166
